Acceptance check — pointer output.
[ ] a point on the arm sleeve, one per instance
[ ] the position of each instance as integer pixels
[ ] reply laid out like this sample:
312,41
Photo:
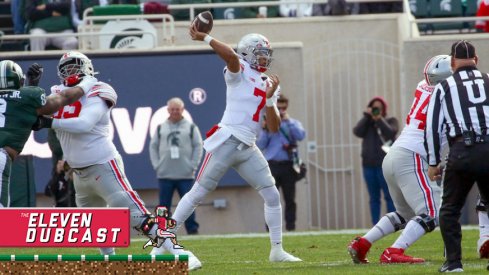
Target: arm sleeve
360,130
154,154
232,79
196,148
388,127
263,139
296,130
90,114
434,126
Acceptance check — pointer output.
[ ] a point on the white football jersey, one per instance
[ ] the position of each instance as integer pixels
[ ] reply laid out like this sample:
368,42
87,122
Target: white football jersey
245,102
412,136
82,148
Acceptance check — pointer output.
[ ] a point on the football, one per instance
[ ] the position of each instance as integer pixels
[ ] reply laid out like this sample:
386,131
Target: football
203,21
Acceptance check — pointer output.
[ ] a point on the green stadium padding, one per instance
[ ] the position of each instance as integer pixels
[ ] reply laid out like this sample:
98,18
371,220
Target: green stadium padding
22,183
436,11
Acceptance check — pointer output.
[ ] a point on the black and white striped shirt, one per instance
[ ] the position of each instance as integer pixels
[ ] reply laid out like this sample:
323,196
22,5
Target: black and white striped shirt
460,103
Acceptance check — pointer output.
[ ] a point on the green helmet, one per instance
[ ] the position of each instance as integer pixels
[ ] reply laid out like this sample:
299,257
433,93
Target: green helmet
11,76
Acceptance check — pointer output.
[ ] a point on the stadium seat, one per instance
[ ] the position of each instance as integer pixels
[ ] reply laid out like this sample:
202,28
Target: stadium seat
446,8
469,9
420,8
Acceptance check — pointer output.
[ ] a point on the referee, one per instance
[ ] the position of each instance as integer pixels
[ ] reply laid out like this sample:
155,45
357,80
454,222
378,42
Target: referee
460,104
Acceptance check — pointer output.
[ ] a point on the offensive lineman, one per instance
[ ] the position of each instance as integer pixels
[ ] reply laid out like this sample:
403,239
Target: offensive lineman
19,108
250,94
83,131
416,198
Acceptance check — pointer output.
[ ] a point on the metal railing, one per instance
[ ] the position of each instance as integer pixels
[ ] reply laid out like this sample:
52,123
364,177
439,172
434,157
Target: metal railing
193,7
414,23
17,37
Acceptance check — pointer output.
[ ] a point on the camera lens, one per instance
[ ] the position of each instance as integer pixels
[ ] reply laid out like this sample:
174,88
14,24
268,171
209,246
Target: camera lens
375,111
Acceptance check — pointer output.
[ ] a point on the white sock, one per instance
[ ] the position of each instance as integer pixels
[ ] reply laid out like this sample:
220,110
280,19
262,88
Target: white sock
273,218
483,223
107,251
383,228
409,235
273,214
187,205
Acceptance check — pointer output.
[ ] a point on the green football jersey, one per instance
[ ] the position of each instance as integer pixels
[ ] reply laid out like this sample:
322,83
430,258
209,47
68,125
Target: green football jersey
18,114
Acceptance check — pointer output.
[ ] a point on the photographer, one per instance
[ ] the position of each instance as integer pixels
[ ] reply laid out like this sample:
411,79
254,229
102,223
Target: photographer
280,150
377,132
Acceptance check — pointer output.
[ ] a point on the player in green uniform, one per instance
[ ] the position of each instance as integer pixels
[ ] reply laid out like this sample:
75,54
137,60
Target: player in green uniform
20,107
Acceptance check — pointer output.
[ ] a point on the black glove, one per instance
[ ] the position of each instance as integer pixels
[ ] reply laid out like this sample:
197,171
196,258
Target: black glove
42,122
34,74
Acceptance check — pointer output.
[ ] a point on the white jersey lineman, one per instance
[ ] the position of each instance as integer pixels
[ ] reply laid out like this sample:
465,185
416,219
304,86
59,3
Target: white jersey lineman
405,167
83,131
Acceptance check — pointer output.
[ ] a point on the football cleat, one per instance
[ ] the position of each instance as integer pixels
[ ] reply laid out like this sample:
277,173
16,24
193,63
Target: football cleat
483,247
451,267
358,249
193,262
279,255
393,255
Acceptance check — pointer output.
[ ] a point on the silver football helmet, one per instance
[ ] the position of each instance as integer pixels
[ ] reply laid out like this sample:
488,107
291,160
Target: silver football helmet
255,49
437,69
72,66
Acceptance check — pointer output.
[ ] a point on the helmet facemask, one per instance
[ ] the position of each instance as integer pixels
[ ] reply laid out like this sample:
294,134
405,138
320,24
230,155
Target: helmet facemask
72,68
255,50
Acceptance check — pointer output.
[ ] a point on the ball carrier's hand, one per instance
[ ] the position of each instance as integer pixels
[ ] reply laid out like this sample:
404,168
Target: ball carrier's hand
274,81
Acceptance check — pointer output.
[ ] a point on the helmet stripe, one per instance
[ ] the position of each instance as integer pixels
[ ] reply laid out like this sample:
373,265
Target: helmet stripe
3,74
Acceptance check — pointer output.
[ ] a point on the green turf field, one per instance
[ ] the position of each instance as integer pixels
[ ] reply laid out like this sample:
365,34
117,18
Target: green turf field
322,252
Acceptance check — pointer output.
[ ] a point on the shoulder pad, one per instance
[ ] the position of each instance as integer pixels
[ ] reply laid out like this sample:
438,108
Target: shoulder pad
104,91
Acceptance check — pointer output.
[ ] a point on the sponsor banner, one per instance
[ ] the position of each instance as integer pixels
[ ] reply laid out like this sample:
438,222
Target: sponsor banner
65,227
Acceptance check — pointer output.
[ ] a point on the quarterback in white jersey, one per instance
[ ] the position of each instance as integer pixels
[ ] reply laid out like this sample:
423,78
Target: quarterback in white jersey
416,198
250,95
83,131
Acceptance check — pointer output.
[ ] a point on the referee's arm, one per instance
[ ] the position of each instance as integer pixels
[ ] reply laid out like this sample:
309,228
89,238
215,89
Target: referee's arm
434,126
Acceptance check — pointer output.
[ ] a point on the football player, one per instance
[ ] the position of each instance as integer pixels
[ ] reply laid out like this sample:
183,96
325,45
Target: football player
20,107
250,95
83,131
416,198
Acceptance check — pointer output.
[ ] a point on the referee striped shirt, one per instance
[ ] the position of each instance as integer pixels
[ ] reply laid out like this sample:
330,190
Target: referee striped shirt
460,103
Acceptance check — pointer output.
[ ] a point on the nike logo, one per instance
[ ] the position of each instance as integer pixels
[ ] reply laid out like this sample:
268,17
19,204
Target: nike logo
388,258
98,177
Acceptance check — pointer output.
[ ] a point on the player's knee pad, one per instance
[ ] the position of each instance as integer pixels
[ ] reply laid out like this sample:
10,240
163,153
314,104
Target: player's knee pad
427,222
271,196
481,205
397,220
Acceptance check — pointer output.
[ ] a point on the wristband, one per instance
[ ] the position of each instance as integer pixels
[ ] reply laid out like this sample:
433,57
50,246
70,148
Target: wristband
208,39
270,102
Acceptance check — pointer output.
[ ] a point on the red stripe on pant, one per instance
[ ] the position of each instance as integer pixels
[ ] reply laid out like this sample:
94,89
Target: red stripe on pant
126,187
204,165
425,186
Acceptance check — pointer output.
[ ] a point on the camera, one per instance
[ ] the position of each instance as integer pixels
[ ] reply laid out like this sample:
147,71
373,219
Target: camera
375,111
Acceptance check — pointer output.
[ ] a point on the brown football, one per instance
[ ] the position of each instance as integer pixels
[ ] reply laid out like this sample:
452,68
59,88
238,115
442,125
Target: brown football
203,21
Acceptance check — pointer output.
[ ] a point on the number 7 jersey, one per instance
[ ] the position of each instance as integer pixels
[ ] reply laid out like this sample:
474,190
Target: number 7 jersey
412,136
245,102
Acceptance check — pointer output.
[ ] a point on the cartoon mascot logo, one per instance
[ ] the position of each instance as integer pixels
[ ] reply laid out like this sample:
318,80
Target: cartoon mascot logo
164,224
